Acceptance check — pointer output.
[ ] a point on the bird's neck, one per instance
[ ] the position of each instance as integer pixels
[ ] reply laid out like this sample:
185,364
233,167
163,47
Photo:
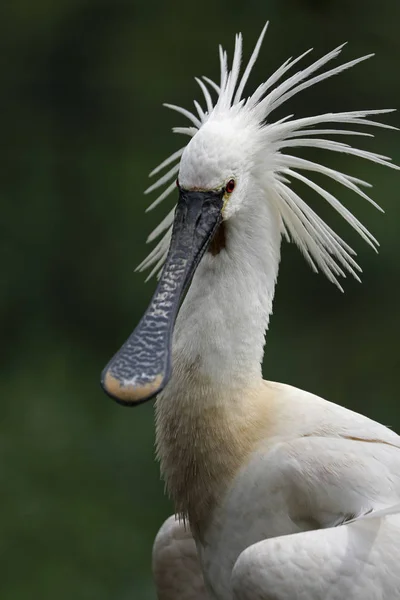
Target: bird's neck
208,417
220,329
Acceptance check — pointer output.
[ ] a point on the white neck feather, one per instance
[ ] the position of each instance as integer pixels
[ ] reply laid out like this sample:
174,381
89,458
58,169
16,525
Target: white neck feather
217,353
220,329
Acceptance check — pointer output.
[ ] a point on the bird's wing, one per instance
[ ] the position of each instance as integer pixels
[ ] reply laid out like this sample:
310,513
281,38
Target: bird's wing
328,463
176,566
350,489
333,479
353,561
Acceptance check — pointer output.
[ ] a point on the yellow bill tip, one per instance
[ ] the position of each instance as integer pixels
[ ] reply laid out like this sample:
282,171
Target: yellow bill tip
130,394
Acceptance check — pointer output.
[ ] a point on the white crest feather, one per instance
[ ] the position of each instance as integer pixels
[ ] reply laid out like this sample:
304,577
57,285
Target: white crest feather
321,246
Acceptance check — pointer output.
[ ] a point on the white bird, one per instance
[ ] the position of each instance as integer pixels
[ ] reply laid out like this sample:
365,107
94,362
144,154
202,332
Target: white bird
278,494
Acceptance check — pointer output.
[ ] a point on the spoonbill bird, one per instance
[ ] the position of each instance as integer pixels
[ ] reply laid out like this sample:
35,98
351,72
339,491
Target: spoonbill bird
278,494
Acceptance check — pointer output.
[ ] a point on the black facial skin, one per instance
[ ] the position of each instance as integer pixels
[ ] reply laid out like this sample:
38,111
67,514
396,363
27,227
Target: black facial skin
142,366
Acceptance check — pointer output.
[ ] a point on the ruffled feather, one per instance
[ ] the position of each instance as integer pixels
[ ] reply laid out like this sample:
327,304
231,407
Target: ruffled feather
321,246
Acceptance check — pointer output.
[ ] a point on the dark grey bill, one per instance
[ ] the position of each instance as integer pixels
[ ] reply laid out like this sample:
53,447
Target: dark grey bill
142,366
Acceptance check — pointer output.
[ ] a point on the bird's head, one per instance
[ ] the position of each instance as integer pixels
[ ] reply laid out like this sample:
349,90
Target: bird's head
221,158
234,146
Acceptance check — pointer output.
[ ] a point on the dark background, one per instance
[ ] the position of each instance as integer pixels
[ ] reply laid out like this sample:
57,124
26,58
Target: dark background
81,125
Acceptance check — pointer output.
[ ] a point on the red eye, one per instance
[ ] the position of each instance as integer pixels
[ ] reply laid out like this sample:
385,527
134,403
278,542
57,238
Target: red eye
230,186
177,183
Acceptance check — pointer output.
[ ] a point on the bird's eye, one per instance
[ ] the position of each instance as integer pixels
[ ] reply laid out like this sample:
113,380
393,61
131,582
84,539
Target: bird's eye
177,183
230,186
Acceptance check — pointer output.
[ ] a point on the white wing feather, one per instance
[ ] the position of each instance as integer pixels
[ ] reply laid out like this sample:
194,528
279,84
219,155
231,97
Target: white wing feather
176,567
353,561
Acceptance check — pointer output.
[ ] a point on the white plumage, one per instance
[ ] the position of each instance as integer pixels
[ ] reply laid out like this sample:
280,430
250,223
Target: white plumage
267,139
280,495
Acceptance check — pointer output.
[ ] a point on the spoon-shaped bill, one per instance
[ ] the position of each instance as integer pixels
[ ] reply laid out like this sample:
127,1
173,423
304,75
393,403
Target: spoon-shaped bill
142,366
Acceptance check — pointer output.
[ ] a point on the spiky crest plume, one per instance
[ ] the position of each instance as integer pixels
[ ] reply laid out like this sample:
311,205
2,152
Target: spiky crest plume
321,246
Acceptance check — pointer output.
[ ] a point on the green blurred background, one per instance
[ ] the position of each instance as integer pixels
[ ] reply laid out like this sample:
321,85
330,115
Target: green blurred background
82,82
